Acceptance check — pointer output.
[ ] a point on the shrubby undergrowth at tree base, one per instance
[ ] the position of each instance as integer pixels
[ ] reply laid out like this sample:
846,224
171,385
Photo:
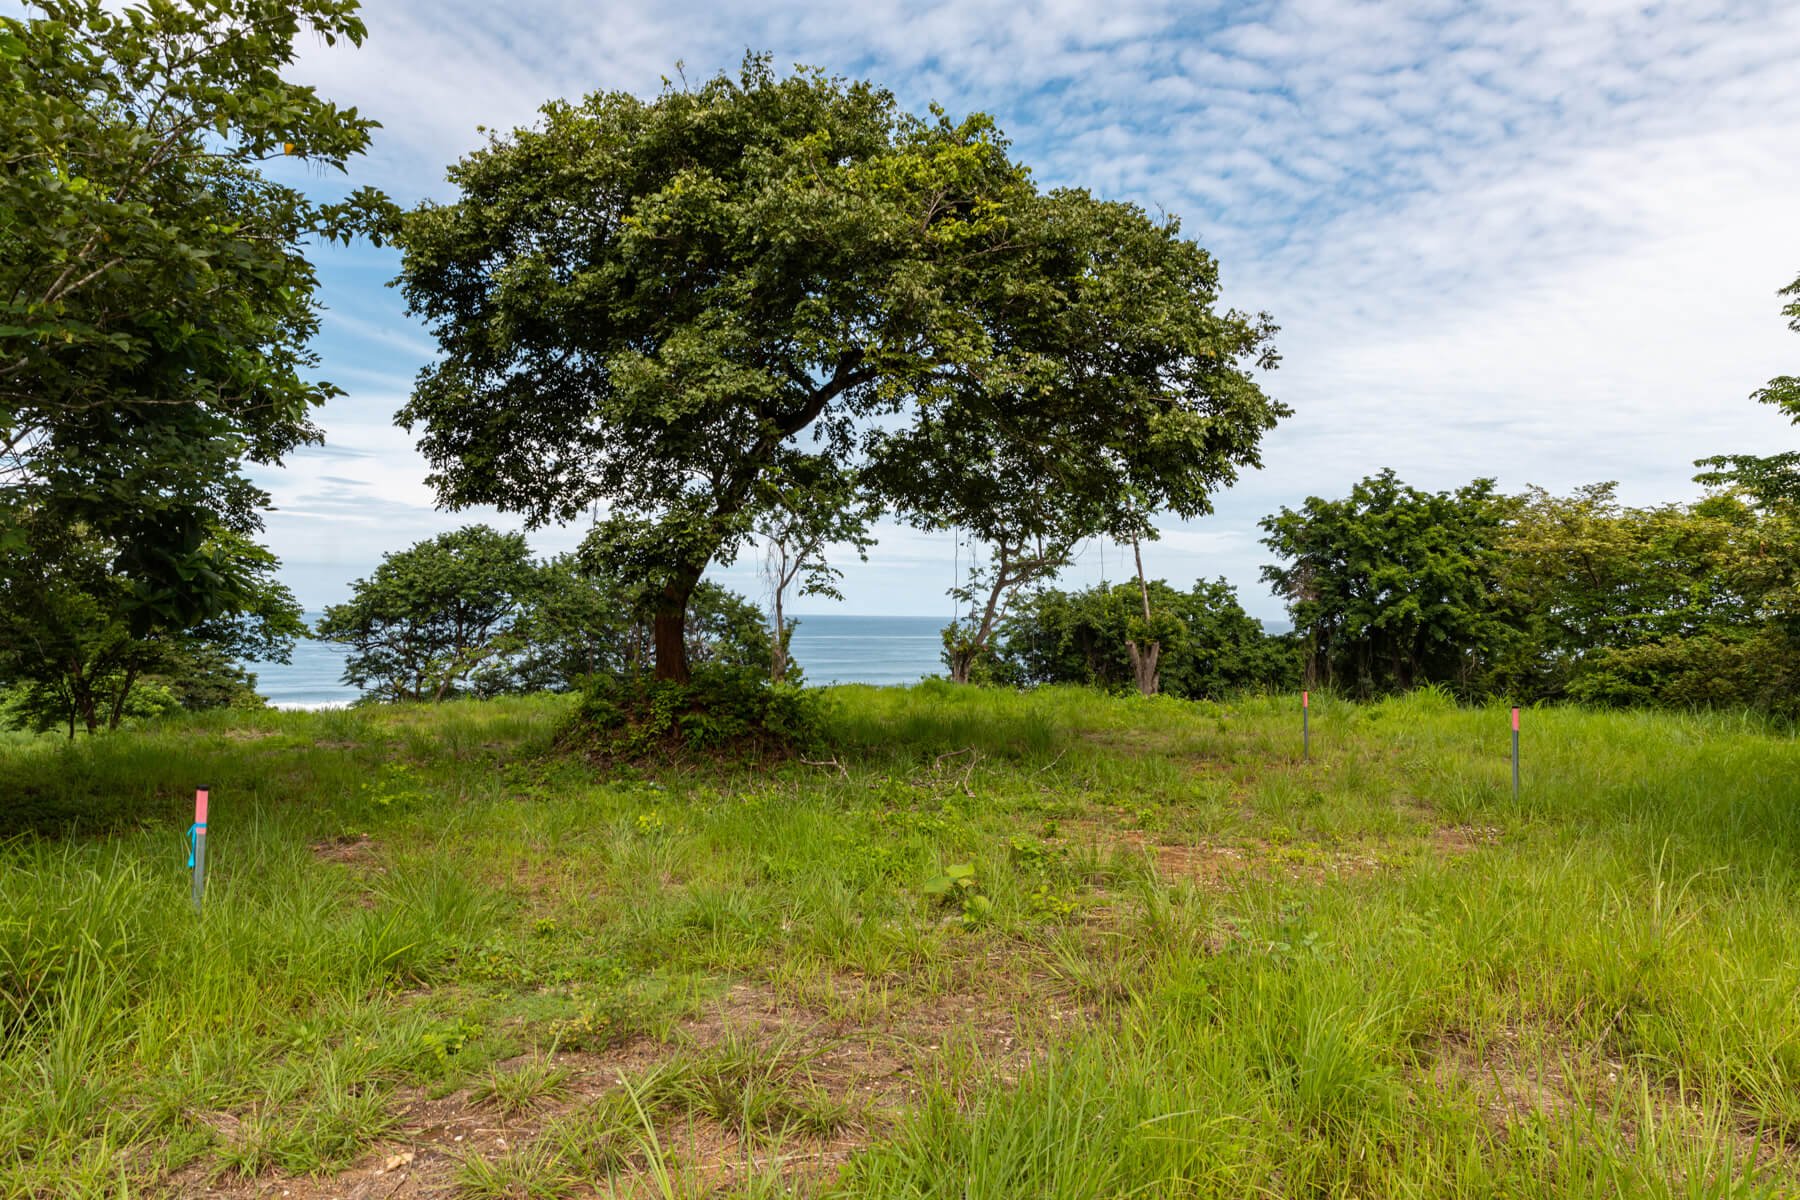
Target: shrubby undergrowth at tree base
721,709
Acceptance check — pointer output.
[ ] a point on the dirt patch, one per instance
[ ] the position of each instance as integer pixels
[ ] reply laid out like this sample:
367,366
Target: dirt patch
433,1136
1454,841
1514,1076
355,849
874,1064
1224,862
1508,1080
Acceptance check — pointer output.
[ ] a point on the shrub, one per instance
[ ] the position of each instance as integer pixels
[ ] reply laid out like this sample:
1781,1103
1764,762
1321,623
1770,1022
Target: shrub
722,710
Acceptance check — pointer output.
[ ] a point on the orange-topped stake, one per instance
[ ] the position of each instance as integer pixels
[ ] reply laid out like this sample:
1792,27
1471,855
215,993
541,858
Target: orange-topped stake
197,844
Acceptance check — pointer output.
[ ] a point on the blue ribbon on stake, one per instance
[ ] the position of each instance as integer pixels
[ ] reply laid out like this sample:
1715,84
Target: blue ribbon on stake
197,845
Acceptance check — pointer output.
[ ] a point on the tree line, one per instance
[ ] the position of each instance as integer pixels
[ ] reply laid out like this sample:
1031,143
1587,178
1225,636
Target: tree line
763,309
1530,597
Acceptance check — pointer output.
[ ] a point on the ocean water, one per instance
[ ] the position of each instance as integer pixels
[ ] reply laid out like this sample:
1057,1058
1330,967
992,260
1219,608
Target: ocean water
830,648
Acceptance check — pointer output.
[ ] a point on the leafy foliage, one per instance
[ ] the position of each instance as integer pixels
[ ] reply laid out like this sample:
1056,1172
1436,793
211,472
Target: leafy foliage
470,612
75,647
1685,605
155,303
1542,597
1392,587
579,625
431,615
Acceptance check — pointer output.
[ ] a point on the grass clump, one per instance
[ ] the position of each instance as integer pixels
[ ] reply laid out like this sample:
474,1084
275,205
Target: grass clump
747,1085
532,1172
522,1088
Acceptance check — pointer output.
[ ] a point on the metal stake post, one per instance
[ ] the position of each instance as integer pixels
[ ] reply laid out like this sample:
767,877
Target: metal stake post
1305,726
1515,748
197,851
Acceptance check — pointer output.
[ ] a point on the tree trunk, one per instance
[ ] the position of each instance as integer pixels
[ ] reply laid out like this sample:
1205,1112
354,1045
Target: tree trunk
669,627
962,662
777,646
1143,661
118,706
82,700
1143,665
777,643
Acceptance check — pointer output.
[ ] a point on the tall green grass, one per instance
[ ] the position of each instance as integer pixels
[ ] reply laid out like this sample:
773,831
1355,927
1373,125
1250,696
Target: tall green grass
1375,972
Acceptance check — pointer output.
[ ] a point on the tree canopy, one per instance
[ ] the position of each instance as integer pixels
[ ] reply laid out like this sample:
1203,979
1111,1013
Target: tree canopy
1391,586
431,615
155,299
668,306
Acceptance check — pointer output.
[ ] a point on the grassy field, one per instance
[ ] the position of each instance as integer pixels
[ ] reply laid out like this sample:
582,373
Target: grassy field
1000,945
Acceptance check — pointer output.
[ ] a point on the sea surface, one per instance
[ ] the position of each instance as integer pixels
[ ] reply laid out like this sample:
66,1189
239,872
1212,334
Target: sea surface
832,648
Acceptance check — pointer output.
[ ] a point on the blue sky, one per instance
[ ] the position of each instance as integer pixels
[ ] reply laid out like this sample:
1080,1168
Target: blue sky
1537,240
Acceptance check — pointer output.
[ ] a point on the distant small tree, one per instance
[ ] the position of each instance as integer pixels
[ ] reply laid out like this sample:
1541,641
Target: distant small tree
1146,643
576,627
989,590
1774,478
432,615
1210,646
808,514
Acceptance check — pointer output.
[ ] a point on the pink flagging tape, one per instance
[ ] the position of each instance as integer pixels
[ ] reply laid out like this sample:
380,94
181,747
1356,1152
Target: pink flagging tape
200,797
1305,699
1515,720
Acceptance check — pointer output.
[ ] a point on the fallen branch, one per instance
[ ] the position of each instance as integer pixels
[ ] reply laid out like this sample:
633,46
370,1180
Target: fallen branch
829,762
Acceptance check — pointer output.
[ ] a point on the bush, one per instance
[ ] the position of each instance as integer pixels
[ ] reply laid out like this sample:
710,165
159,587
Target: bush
1759,672
723,710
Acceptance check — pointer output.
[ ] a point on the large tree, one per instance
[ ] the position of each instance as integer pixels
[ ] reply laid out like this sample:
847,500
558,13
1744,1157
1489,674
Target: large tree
660,305
155,298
